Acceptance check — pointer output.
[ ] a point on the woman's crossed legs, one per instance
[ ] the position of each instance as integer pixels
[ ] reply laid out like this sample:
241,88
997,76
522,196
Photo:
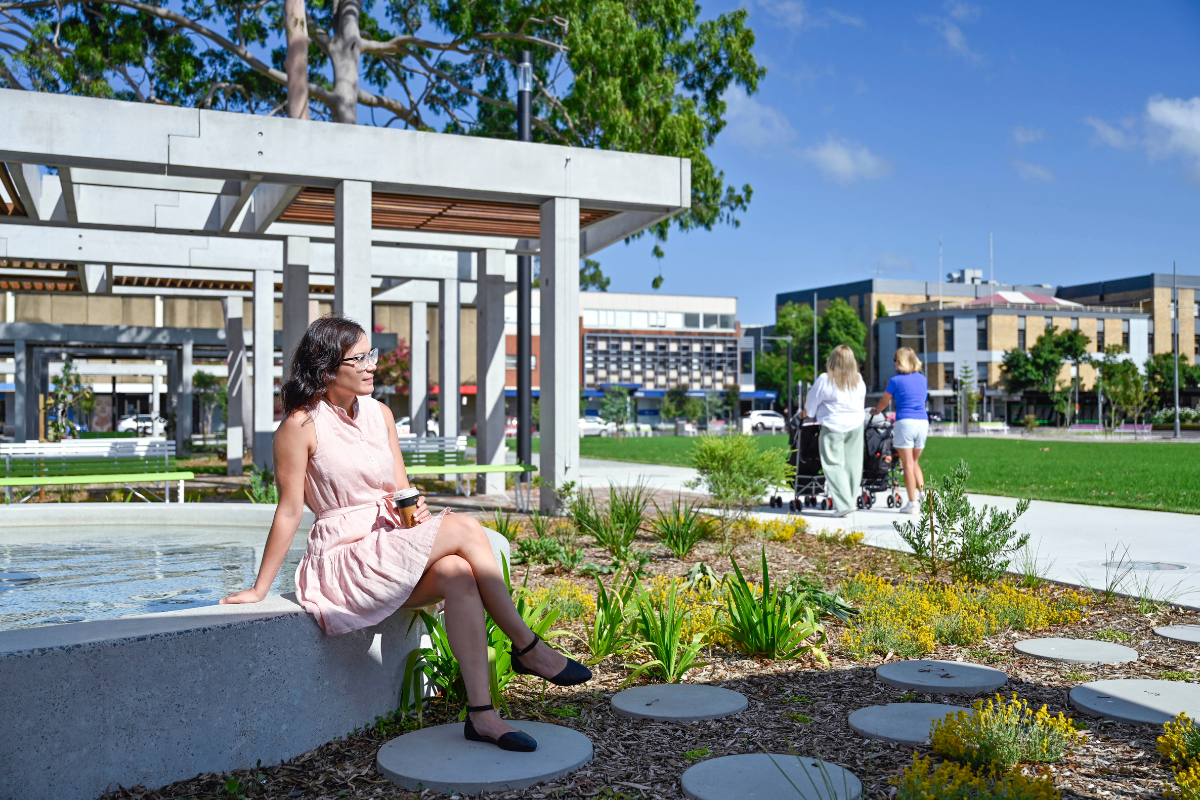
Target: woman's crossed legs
463,571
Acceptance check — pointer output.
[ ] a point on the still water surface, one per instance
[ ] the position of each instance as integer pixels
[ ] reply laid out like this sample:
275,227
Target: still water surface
95,574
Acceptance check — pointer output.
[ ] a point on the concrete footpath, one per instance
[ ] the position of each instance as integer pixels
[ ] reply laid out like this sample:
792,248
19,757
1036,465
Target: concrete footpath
1072,543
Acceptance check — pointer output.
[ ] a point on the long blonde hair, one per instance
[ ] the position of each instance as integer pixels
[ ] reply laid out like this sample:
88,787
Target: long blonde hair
907,361
842,368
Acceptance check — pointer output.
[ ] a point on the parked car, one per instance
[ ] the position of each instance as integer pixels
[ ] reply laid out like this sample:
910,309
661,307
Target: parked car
763,419
936,417
595,426
142,424
404,427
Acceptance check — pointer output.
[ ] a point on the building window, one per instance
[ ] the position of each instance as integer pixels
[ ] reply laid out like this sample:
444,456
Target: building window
1099,336
981,375
1197,348
1074,323
1020,333
1049,323
1151,342
948,332
691,320
1125,335
921,333
981,331
947,376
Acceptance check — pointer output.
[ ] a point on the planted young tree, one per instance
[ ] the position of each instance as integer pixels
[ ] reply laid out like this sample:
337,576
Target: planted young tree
68,392
208,390
737,474
672,404
614,407
952,537
619,76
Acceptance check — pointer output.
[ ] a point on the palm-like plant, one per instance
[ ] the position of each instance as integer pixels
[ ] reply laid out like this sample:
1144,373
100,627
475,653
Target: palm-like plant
660,632
681,528
774,624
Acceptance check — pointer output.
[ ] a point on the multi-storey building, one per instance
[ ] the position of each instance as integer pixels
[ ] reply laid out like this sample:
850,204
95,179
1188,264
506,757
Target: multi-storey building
966,324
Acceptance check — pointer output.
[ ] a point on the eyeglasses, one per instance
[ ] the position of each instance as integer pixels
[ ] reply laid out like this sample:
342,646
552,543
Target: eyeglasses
363,361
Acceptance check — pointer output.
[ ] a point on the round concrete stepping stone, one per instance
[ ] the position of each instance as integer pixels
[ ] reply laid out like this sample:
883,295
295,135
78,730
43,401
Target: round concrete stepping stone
941,677
677,702
1140,701
753,776
1076,651
906,723
441,760
1180,633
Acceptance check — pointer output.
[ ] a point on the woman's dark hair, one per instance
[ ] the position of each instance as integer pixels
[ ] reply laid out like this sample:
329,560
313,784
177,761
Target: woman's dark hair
317,359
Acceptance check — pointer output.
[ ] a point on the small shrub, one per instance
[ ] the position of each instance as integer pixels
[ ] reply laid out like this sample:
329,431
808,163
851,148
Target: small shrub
1180,748
262,487
777,529
703,601
770,622
681,528
537,550
1177,675
736,473
952,781
1003,733
505,525
952,536
609,630
660,630
813,593
627,506
844,538
1030,421
571,599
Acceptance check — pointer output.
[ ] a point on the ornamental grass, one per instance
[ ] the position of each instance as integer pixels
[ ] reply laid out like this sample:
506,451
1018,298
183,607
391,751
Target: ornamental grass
951,781
1000,734
1180,748
911,618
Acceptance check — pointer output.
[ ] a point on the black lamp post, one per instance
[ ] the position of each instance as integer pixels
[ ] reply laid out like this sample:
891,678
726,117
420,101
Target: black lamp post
525,284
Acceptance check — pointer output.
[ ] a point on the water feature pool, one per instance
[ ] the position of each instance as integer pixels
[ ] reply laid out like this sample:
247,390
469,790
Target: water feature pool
55,574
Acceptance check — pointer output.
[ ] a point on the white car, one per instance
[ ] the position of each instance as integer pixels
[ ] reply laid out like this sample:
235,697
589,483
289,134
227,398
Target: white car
142,424
763,419
404,427
595,426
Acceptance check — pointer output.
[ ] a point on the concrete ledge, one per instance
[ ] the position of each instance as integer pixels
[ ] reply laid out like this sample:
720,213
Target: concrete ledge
66,515
156,698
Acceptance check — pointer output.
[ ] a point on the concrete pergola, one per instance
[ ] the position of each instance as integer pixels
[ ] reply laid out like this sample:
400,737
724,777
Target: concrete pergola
208,194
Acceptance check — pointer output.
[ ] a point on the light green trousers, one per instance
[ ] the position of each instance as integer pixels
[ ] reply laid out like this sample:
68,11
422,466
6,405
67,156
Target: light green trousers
842,461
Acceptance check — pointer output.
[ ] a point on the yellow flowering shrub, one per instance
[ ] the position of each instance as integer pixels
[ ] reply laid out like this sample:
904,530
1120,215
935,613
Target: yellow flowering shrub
574,601
951,781
1180,748
1003,733
704,602
778,529
909,619
847,539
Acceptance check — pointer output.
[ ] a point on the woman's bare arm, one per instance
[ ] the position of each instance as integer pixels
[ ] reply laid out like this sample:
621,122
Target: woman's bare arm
294,444
401,478
883,404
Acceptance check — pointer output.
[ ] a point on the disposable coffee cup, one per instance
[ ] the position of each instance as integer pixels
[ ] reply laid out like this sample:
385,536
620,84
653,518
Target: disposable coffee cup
406,504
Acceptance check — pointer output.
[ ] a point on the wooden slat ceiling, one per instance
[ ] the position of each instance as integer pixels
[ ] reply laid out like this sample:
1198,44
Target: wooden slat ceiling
219,286
37,282
443,215
12,206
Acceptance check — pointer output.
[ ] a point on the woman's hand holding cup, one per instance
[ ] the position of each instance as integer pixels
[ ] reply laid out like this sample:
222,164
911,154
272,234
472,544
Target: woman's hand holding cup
411,506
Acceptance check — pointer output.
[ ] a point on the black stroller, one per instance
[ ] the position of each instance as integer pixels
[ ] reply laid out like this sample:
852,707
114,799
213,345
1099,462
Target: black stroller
809,482
879,464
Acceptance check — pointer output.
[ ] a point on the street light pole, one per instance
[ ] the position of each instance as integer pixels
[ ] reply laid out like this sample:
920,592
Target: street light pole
1175,336
525,285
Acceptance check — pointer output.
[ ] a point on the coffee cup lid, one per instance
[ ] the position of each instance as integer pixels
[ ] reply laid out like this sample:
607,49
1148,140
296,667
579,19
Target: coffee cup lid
403,494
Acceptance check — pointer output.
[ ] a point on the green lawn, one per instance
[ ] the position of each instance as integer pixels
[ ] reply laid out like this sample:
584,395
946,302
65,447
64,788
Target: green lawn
1151,475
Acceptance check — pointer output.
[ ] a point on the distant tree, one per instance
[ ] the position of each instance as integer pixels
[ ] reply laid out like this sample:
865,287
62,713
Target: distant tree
208,390
69,392
614,407
590,277
1128,390
693,409
880,309
1039,368
840,325
672,403
1160,373
966,385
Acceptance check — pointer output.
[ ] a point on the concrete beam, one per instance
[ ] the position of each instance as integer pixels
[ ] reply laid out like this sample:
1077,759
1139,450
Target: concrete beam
27,180
418,240
69,194
295,298
559,361
448,357
264,363
231,217
270,200
352,252
418,367
96,279
616,228
107,134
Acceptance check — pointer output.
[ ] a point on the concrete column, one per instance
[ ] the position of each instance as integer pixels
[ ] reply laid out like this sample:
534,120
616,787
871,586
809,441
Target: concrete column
10,307
418,368
559,360
448,356
235,343
156,381
21,389
352,252
264,366
489,360
183,411
295,298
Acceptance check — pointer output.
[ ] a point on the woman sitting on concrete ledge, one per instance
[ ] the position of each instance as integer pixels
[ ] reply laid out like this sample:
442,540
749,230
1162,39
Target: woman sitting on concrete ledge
336,451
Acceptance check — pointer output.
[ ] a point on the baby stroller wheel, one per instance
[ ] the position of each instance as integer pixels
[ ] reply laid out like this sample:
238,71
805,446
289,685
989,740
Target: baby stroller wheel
891,502
791,505
826,504
861,504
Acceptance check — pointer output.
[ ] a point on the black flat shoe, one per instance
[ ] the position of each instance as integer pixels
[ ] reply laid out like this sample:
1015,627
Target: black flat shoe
572,674
515,741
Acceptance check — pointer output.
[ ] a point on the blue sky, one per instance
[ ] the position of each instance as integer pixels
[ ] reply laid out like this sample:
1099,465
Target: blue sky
1069,130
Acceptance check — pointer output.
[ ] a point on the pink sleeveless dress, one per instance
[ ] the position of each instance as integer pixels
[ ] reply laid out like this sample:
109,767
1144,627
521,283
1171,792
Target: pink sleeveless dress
361,563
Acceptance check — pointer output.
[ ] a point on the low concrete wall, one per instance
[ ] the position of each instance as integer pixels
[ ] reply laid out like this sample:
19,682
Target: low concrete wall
157,698
65,515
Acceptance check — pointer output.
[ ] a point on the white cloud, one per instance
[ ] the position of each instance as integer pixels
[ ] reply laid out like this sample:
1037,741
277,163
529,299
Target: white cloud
951,32
1033,172
796,15
1024,135
1111,135
753,124
1173,128
845,162
963,12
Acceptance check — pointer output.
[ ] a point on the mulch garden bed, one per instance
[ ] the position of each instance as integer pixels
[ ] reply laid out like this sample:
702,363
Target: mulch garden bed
794,706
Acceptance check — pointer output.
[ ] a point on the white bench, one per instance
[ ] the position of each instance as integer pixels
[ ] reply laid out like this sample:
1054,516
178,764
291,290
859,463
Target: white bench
34,464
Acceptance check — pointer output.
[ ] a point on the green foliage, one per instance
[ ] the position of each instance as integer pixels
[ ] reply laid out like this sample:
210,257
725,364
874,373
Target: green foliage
672,403
810,592
840,325
660,630
1123,385
393,368
970,544
1039,368
880,309
610,626
210,393
262,487
616,527
680,528
68,392
614,406
999,733
590,277
643,78
547,546
951,781
736,472
1160,374
627,506
504,524
770,623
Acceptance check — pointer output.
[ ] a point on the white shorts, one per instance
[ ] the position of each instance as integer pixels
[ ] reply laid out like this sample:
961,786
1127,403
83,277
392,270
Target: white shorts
910,433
